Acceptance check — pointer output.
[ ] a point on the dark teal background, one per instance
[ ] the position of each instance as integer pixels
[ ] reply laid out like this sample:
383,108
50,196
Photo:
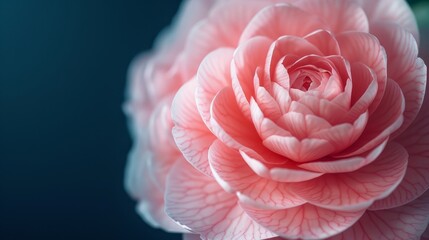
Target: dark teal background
63,136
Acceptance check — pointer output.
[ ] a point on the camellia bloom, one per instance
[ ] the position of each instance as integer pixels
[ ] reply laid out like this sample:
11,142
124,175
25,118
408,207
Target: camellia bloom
260,119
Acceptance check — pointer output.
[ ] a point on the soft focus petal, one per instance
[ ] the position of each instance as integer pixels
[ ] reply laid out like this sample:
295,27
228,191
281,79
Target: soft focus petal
394,11
339,15
270,21
143,188
222,28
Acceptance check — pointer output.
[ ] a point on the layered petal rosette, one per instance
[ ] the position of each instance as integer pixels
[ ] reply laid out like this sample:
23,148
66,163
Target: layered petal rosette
292,119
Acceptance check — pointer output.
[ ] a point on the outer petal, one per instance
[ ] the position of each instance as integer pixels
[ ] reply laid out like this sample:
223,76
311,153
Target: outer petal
393,11
138,106
339,15
359,189
190,133
143,188
159,136
270,21
199,204
406,222
306,221
416,181
221,29
404,67
233,174
414,184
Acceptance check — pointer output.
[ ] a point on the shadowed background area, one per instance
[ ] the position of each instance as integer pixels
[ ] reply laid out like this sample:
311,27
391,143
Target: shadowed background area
63,136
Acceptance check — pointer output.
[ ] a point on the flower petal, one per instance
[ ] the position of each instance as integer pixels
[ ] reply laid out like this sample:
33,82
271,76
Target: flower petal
353,44
234,130
287,45
364,90
339,15
270,22
394,11
199,204
302,126
359,189
221,29
343,135
265,126
345,164
404,67
229,124
306,221
144,188
406,222
416,181
190,133
247,58
385,120
325,41
305,150
286,172
267,104
233,174
414,184
328,110
213,75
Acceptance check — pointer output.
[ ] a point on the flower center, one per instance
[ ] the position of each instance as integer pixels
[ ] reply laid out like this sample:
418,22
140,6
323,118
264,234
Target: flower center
305,80
306,83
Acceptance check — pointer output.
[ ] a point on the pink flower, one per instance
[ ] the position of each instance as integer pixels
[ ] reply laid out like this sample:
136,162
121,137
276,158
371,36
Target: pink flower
290,119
